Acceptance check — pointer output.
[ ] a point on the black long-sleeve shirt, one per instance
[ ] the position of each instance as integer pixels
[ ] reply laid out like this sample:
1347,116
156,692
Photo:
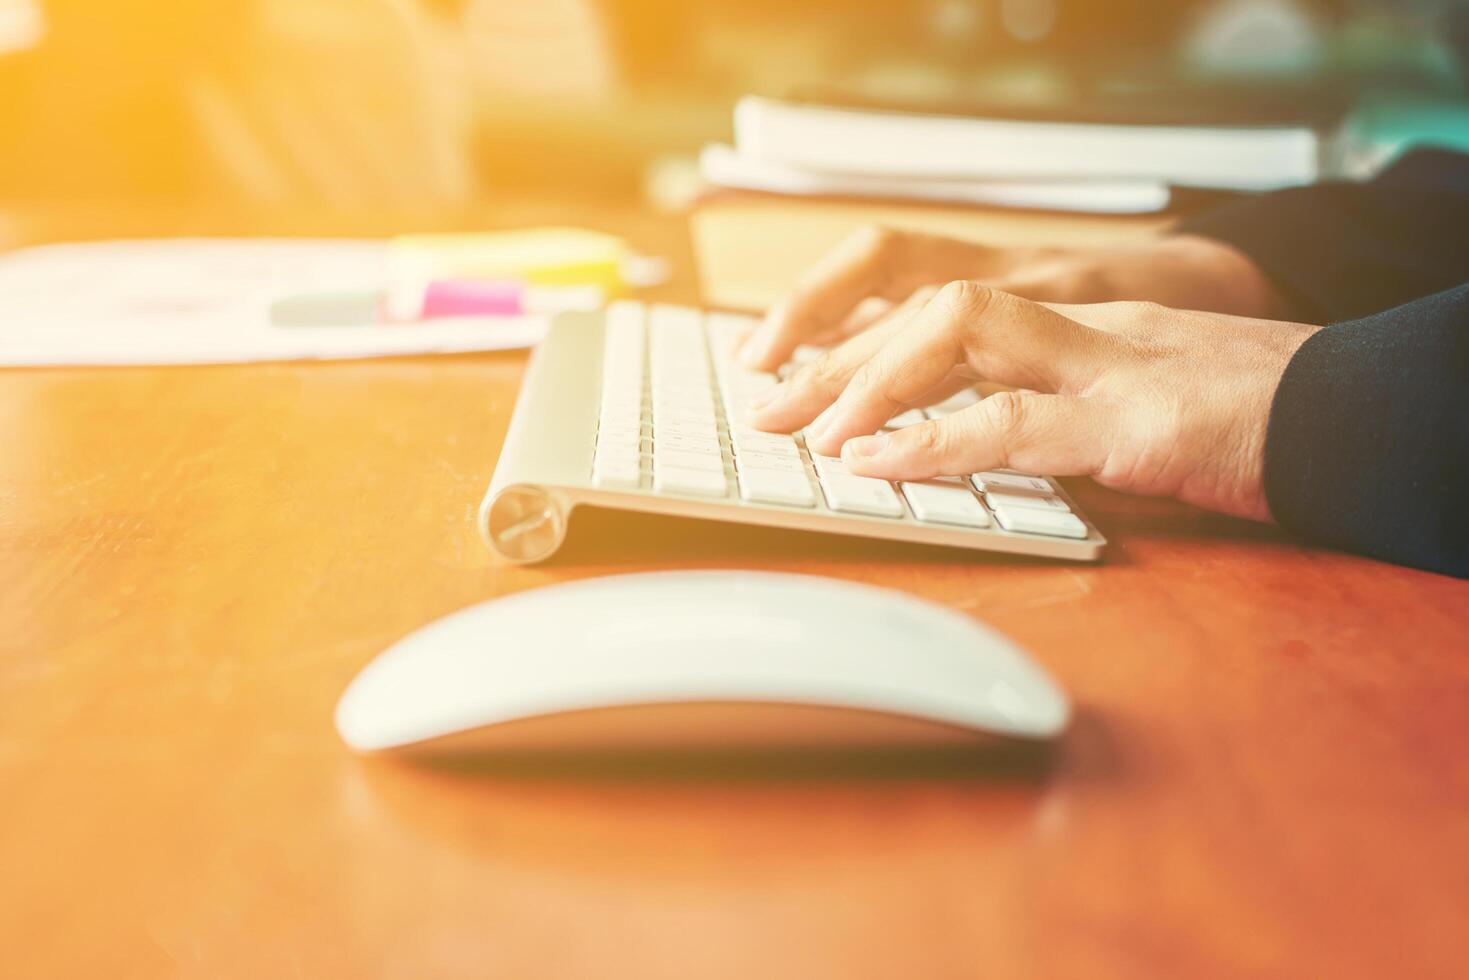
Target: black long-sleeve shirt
1368,442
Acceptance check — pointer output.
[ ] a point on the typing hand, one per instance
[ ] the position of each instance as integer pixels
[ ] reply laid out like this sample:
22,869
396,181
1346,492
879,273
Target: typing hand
1144,398
868,279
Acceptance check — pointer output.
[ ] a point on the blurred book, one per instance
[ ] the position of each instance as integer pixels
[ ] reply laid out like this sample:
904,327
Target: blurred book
724,166
850,141
751,247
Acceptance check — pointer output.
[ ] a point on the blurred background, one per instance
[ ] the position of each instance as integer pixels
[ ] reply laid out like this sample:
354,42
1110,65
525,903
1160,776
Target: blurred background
430,105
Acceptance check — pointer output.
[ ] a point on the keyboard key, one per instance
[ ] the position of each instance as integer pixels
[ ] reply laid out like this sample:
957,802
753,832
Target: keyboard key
702,407
860,495
766,449
775,487
708,444
620,427
676,416
682,395
622,353
625,417
769,461
698,430
618,453
945,503
627,445
621,399
725,328
1049,522
620,474
683,384
755,441
831,466
620,434
739,429
686,460
995,480
676,322
704,483
682,398
1035,501
625,315
627,449
621,448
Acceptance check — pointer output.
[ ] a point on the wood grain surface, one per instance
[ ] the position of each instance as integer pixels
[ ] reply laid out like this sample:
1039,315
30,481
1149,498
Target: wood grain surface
1268,776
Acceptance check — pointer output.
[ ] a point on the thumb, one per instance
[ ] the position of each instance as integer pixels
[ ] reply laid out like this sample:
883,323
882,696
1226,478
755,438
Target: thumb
1060,435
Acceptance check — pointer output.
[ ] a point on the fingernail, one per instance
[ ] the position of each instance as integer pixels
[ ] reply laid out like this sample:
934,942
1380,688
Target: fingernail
751,352
866,447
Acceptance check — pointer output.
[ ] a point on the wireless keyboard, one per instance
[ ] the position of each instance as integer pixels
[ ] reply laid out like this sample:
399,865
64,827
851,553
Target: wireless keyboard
641,408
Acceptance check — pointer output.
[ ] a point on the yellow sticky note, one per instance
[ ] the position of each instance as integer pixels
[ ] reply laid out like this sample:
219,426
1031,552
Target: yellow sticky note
538,256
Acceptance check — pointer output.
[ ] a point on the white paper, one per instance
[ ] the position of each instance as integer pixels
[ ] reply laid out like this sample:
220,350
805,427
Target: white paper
727,167
207,301
924,146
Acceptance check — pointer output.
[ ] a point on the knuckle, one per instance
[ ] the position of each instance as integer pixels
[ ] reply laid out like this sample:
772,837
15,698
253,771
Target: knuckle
927,437
964,296
827,372
1005,412
871,376
1137,309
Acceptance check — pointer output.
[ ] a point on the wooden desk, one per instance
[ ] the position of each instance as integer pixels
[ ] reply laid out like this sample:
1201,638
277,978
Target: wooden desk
1268,776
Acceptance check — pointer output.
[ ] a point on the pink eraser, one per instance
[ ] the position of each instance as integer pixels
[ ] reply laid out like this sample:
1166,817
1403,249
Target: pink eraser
473,297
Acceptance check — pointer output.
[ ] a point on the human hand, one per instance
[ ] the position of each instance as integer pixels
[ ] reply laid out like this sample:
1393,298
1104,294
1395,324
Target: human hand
864,281
1143,398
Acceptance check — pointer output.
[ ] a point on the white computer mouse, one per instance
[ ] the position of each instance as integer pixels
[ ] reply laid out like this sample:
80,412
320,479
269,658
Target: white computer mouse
699,659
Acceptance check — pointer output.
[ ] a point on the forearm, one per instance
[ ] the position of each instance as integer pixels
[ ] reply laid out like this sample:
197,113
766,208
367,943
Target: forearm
1368,441
1191,272
1339,251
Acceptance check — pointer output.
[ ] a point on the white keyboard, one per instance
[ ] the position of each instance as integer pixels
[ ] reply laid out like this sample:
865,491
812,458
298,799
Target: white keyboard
642,408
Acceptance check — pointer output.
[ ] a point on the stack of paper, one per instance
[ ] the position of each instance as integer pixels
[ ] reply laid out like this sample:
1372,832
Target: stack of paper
725,166
805,148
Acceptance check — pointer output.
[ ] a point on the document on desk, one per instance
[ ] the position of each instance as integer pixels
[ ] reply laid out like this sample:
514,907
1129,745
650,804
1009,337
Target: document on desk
208,301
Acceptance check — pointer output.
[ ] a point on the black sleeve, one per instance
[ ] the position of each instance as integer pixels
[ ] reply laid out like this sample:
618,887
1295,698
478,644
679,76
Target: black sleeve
1339,251
1368,443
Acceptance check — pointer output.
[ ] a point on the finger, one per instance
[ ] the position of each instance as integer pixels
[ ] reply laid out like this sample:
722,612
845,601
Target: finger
868,313
797,401
871,312
998,336
1062,435
874,311
959,379
801,397
865,264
